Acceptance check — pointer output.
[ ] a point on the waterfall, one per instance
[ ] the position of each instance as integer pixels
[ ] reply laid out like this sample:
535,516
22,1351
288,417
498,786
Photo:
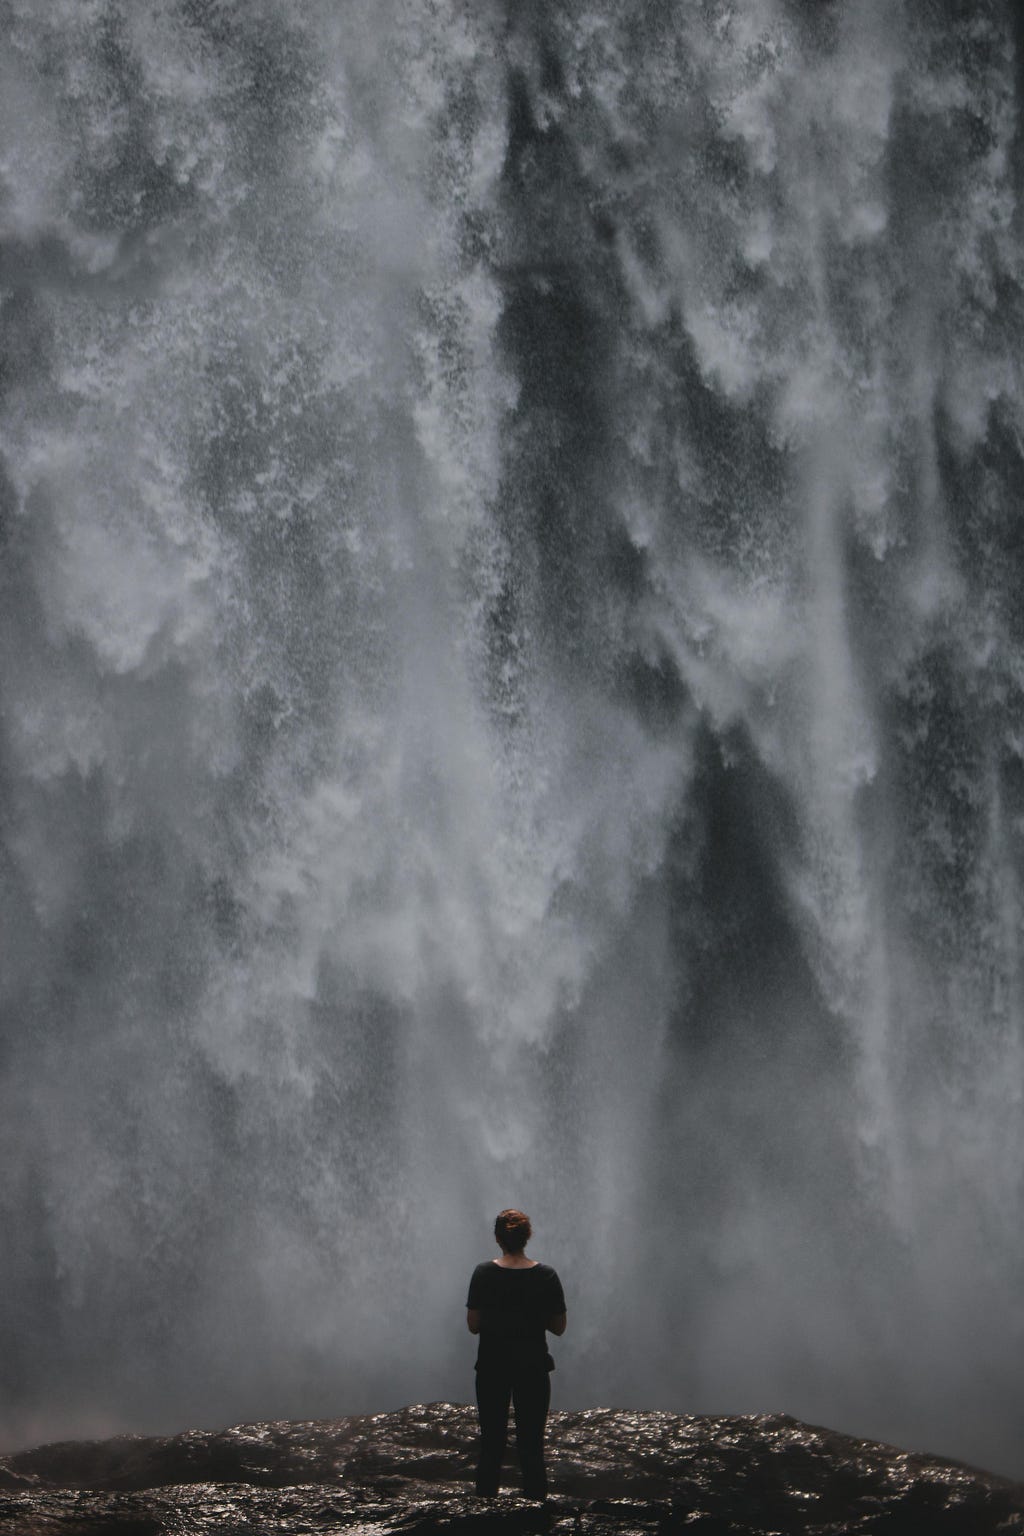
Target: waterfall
512,674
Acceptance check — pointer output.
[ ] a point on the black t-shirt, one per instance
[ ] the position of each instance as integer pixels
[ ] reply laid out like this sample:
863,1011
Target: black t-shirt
514,1307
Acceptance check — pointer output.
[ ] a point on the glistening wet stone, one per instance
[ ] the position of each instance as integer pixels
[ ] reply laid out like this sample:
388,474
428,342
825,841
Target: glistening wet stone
409,1472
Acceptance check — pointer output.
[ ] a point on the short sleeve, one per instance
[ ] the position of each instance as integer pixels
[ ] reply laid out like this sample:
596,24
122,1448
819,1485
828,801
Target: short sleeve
475,1299
556,1296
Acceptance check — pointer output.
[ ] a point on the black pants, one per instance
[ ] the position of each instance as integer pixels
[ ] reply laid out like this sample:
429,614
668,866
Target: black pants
529,1392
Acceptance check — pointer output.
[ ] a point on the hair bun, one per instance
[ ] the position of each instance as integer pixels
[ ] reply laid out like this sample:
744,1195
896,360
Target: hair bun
513,1230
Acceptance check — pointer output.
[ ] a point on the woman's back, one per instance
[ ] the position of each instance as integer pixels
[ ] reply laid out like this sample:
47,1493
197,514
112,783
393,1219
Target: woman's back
515,1305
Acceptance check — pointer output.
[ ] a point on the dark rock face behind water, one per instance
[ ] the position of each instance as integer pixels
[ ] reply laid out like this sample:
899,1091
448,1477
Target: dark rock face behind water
411,1471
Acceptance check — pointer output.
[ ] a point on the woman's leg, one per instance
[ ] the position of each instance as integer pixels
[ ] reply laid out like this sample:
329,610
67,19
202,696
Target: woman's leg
531,1397
493,1392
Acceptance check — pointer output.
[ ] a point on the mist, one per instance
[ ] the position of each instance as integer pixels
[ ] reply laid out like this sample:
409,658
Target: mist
512,661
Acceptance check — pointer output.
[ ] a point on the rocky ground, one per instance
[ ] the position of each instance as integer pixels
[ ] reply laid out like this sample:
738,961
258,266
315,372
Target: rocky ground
409,1472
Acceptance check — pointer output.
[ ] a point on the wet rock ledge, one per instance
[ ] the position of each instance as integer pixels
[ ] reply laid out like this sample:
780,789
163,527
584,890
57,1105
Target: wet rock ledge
410,1472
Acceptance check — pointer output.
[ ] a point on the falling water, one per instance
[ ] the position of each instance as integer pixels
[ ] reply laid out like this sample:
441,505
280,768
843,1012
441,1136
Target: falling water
512,665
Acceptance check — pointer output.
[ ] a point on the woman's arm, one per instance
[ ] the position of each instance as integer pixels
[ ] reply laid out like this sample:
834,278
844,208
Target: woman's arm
556,1324
473,1319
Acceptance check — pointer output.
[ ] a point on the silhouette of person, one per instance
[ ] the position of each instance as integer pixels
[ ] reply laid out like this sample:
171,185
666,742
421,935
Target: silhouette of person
512,1301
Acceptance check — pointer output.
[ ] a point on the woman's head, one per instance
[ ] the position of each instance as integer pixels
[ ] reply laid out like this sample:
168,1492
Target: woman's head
512,1230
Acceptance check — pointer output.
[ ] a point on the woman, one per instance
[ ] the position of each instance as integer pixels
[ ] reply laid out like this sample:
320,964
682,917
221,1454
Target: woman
512,1301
